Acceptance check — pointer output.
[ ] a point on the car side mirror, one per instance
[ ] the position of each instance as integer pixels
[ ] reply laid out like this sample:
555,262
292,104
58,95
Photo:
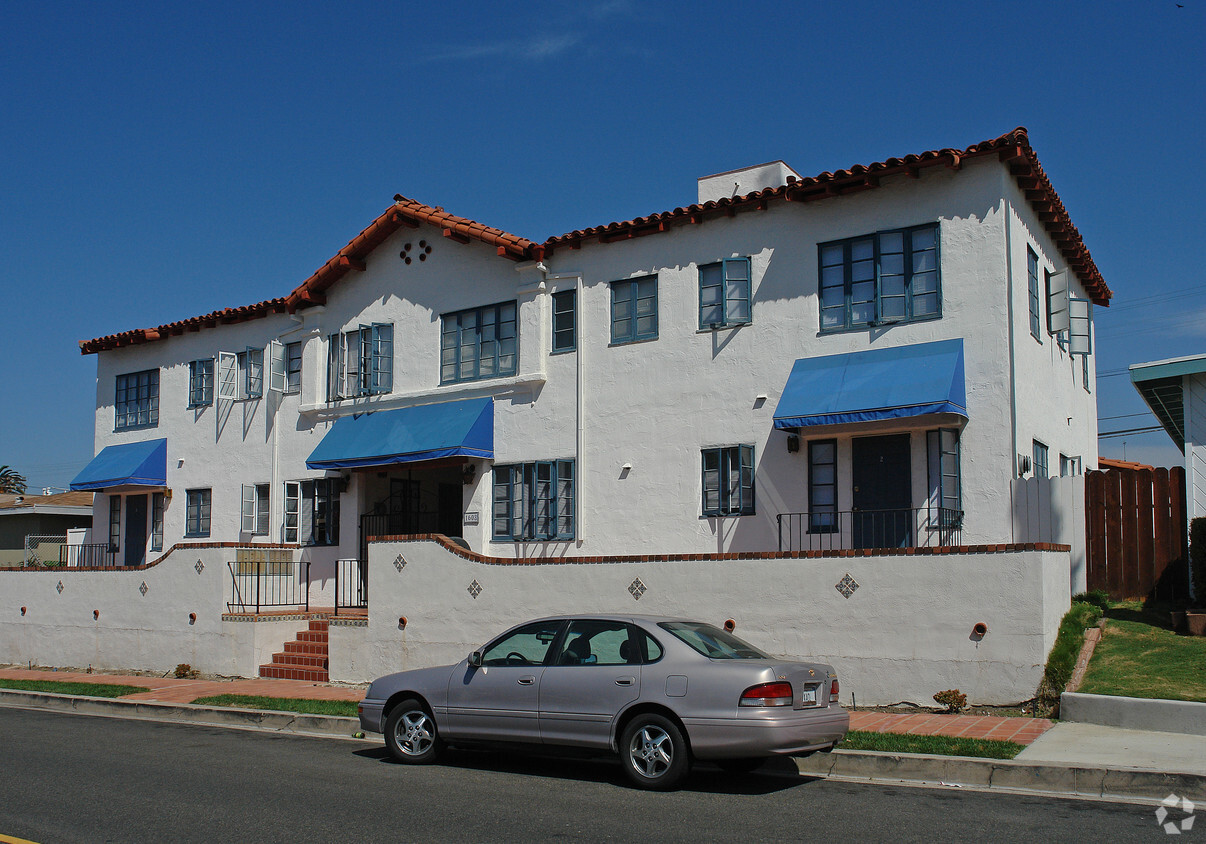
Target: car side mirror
475,659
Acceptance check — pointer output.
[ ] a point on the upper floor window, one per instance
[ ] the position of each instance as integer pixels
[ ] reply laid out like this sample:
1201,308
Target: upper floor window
724,293
241,375
1069,466
293,361
196,512
534,500
1084,372
137,400
564,319
886,277
728,481
1032,285
359,362
634,310
1041,469
479,343
201,383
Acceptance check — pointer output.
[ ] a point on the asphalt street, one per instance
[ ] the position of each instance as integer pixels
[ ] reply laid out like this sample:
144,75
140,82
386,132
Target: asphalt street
72,778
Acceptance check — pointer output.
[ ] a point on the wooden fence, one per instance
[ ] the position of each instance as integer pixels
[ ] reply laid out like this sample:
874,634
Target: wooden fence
1136,533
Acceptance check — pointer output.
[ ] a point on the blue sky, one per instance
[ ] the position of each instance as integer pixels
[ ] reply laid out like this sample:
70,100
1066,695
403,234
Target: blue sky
162,161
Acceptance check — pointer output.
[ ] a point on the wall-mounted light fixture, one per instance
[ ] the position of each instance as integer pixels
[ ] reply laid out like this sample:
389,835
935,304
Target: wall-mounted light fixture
469,473
1023,464
793,443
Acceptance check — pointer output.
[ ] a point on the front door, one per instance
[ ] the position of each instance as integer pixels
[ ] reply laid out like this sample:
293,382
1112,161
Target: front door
881,495
451,510
136,530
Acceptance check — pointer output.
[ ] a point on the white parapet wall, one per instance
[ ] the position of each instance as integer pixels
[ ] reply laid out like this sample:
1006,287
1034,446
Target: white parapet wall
906,632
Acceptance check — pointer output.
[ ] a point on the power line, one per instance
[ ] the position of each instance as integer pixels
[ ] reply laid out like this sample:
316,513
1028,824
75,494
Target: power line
1108,434
1123,416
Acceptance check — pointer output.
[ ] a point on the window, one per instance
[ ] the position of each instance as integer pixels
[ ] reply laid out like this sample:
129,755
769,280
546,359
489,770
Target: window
534,500
201,383
293,360
1040,460
1069,466
881,278
196,512
114,523
255,509
312,511
634,310
1052,316
359,362
598,643
712,642
527,646
241,375
563,320
137,400
822,486
479,343
1036,327
945,483
157,504
728,481
1084,372
724,293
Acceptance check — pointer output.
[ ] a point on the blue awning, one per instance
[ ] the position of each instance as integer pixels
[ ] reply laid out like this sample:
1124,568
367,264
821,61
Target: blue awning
129,464
427,432
873,385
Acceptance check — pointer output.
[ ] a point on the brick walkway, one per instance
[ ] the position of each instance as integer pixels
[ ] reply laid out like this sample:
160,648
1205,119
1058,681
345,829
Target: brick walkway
172,690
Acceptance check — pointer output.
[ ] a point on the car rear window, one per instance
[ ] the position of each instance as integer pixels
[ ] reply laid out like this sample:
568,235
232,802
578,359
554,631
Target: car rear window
711,641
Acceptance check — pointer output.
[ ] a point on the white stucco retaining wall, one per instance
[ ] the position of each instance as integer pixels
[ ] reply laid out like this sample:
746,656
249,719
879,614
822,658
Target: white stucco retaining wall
904,634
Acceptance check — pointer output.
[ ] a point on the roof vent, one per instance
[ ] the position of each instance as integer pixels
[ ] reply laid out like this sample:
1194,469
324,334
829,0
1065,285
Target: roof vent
746,180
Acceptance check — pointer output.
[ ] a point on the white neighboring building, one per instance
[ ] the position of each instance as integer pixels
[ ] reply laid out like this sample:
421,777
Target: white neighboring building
1175,390
871,355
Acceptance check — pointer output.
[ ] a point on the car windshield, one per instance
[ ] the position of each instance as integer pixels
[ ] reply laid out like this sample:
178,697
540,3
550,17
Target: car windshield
712,641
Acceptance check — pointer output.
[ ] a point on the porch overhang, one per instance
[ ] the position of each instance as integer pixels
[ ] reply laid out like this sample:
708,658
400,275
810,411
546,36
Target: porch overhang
1162,385
874,385
408,435
127,464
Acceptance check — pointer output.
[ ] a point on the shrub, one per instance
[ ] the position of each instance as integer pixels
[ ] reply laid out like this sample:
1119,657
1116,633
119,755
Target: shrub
186,672
953,699
1096,597
1061,662
1197,559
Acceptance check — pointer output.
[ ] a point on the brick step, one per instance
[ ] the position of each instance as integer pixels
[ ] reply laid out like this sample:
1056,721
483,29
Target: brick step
319,625
304,660
296,647
289,672
312,636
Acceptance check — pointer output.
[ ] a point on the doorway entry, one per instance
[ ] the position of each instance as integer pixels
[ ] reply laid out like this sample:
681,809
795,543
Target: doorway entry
881,499
136,530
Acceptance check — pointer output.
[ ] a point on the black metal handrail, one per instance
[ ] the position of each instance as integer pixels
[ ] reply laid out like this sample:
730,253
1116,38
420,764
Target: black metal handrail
89,555
258,585
351,584
843,530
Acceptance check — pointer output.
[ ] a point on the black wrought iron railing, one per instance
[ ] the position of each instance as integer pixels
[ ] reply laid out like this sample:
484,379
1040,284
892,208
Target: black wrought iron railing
842,530
269,584
351,584
91,555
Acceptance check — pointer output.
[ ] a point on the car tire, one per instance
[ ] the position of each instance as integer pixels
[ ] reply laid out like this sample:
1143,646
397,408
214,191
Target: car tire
654,753
411,735
741,766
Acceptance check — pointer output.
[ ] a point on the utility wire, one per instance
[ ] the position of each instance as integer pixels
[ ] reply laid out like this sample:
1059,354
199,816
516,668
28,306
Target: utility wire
1108,434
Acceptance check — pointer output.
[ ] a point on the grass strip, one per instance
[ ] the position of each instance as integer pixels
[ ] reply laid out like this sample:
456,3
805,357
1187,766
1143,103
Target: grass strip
1138,656
932,745
283,704
63,687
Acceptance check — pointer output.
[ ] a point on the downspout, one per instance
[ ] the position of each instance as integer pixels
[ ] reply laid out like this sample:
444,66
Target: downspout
1013,394
579,398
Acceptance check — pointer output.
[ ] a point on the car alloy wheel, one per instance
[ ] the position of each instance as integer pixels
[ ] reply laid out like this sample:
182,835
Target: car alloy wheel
654,751
411,734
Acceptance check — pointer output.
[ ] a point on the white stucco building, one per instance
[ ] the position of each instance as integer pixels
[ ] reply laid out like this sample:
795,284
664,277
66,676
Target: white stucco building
857,359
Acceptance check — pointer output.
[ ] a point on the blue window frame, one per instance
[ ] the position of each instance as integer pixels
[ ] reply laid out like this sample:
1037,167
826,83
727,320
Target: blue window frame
724,293
158,502
822,486
634,310
564,320
293,360
196,512
359,362
1084,373
114,523
534,501
1041,467
479,343
201,383
945,478
728,481
1036,326
136,403
881,278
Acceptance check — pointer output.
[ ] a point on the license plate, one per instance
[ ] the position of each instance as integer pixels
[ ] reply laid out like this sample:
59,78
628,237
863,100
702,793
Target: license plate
808,696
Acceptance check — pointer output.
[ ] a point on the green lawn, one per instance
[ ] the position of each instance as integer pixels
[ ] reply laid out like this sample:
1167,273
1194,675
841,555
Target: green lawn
282,704
933,745
1140,656
77,689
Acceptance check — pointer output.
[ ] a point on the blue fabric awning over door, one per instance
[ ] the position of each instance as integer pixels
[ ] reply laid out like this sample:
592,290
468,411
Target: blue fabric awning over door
408,435
875,384
128,464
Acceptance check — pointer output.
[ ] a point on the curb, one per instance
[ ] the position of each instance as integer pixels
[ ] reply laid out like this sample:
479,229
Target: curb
1126,784
1132,713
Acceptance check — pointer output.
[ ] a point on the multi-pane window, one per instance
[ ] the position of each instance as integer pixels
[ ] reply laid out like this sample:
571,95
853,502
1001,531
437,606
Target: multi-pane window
201,383
1084,372
1069,466
886,277
1041,469
255,509
479,343
293,366
1036,327
241,375
534,500
564,318
728,481
724,293
114,523
945,482
158,502
634,310
312,511
196,512
359,362
822,486
137,400
1061,337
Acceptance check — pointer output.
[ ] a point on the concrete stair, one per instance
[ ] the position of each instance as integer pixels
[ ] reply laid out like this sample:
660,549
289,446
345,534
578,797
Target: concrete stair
305,658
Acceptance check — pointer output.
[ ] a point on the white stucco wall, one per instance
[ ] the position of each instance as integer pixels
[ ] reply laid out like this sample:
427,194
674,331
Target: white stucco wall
1193,393
905,633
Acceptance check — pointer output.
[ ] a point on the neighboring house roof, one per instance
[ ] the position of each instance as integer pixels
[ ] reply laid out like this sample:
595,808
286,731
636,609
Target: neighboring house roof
1159,382
1108,463
1012,149
63,503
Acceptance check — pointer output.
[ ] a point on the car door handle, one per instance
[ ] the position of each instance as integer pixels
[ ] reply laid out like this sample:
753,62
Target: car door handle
527,681
625,681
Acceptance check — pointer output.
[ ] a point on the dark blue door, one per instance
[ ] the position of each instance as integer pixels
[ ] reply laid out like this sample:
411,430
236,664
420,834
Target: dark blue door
881,494
136,530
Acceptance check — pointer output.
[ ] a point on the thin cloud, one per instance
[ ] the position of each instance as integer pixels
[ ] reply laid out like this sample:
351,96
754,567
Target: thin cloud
533,49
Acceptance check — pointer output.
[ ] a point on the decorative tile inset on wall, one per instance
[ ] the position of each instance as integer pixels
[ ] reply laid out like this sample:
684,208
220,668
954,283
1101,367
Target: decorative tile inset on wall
637,589
200,567
60,587
475,589
400,563
144,589
846,585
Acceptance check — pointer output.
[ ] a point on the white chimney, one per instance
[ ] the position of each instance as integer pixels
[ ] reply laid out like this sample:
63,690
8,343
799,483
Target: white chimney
746,180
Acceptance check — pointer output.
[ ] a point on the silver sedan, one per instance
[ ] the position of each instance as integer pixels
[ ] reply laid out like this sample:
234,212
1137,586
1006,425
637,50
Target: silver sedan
660,692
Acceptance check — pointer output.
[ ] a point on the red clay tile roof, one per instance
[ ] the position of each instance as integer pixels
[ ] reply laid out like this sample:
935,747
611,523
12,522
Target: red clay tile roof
1012,149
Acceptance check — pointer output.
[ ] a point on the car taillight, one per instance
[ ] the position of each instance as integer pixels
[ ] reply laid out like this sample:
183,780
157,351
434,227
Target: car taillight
833,691
767,694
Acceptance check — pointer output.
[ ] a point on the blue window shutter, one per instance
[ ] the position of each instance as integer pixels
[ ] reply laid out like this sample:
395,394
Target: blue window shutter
737,286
